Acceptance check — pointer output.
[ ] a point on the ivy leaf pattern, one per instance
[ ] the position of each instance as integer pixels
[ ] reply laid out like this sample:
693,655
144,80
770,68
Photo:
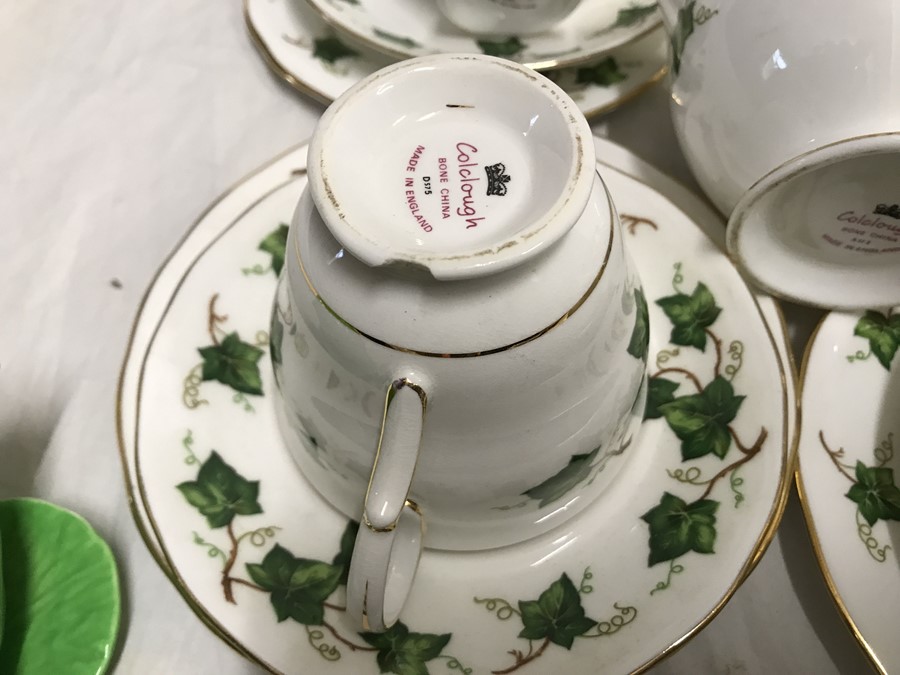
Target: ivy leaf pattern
398,39
508,47
342,559
701,420
405,653
691,315
677,527
631,16
684,28
639,344
659,392
220,493
233,363
883,334
275,243
559,484
298,587
875,493
330,49
276,337
603,73
557,615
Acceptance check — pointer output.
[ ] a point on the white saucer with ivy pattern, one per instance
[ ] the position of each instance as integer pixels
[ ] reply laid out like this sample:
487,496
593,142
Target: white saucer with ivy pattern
847,466
311,56
407,28
262,559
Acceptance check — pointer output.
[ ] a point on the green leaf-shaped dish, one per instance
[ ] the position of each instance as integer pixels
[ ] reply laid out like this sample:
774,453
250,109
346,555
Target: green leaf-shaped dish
62,592
2,599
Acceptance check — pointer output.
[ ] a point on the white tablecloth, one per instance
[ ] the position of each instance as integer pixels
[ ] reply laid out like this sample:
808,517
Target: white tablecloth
120,120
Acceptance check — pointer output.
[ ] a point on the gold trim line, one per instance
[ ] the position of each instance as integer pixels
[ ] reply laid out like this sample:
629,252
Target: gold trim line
614,222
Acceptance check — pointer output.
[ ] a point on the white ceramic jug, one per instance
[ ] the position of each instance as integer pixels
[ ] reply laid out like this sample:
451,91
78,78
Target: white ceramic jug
789,116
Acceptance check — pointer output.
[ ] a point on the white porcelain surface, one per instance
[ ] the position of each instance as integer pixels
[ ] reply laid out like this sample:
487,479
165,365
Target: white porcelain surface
473,165
492,17
756,90
848,465
407,28
472,590
309,55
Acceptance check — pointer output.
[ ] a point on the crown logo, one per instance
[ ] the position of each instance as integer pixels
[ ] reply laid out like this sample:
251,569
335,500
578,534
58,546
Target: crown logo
884,210
497,179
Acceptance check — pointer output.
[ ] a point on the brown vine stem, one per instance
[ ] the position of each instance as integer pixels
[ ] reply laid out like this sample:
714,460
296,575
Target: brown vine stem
226,571
688,374
351,645
718,343
631,222
521,659
214,319
337,607
749,453
834,454
737,441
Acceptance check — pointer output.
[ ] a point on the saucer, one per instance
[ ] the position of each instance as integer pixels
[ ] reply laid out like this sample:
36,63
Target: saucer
262,559
307,53
406,28
847,467
61,592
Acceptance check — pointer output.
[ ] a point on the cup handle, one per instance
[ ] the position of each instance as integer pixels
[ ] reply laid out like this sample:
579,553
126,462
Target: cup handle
389,541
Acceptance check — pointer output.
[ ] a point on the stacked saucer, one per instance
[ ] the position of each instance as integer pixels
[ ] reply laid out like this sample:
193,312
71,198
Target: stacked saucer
602,54
260,556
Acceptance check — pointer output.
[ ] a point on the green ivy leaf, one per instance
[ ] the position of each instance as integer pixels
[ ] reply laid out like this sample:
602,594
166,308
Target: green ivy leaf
559,484
631,16
690,316
684,27
677,527
220,493
883,334
875,493
701,420
233,363
342,559
557,614
659,392
275,243
508,47
298,587
639,344
330,49
405,653
276,337
603,73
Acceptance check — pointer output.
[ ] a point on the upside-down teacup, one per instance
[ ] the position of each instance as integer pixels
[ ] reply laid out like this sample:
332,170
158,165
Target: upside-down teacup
459,336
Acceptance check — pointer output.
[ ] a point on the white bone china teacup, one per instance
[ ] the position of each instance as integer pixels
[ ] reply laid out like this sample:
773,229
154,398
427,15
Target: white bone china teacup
459,336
